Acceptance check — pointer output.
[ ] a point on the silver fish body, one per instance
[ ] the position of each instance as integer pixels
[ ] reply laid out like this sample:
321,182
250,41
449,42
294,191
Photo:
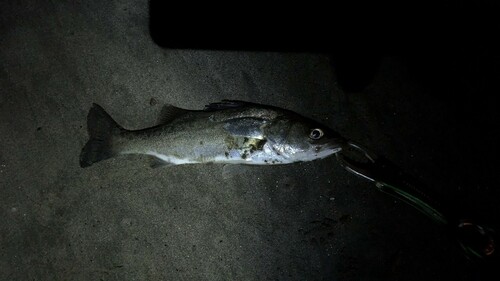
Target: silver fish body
231,132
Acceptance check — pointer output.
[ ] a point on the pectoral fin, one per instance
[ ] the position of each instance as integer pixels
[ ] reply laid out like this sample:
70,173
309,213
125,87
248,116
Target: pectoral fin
246,127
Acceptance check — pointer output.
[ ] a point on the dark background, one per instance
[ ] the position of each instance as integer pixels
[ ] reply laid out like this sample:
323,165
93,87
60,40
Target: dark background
417,84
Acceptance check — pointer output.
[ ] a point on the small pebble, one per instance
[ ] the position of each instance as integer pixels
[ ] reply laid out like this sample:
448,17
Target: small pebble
153,101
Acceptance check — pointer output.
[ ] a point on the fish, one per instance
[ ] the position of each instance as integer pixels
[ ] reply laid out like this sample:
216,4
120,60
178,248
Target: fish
228,132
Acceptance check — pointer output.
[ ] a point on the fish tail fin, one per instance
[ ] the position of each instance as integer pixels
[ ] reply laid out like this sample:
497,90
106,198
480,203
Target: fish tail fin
101,129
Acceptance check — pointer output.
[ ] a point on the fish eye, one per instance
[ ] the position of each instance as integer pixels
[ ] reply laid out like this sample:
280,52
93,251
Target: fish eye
316,134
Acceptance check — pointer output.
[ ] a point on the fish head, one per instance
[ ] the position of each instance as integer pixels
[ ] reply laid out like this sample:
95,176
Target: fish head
302,139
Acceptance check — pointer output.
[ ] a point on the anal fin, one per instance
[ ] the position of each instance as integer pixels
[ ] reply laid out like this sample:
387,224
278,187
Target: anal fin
157,163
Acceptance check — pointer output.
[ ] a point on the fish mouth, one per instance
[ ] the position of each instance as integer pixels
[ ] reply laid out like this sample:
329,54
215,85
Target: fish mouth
327,150
334,145
335,149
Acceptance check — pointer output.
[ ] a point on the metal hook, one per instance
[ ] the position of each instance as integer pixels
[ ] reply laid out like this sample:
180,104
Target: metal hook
361,169
476,240
389,179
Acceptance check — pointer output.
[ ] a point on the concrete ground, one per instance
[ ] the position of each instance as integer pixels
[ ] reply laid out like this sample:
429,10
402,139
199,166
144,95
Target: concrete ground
121,220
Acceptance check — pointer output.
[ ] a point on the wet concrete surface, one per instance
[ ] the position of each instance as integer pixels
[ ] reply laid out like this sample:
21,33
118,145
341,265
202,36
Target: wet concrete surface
121,220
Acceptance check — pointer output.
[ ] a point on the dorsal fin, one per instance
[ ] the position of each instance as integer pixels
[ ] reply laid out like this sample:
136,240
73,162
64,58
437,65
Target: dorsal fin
225,104
169,113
